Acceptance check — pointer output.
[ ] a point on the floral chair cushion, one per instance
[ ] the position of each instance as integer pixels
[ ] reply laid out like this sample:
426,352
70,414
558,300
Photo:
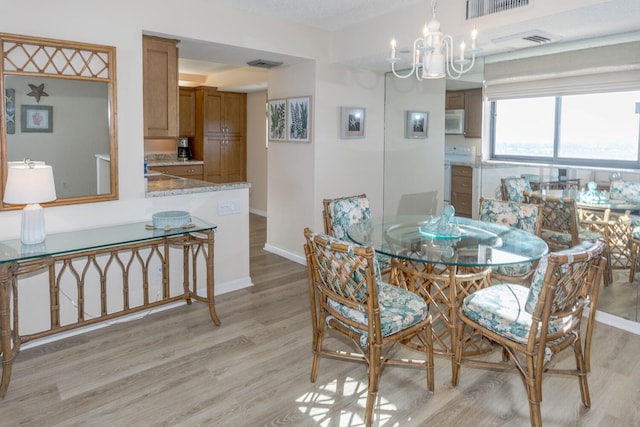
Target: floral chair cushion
348,211
511,214
514,188
501,308
625,190
399,309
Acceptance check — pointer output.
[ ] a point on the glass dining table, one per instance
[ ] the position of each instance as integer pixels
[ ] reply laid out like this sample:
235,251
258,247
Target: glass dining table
446,267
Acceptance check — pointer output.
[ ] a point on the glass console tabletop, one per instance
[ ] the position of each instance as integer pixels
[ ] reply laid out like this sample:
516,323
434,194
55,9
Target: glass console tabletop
479,244
93,238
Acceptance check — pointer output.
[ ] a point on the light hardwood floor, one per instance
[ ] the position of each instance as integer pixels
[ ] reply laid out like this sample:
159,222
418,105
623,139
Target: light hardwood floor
176,368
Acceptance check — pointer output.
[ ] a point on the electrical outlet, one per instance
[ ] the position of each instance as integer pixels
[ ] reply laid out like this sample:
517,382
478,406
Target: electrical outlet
228,207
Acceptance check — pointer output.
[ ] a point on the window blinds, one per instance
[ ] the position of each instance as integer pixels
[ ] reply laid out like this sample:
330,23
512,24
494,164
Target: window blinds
597,69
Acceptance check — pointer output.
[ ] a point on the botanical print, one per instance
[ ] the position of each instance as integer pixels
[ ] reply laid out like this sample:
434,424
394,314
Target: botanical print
278,120
298,119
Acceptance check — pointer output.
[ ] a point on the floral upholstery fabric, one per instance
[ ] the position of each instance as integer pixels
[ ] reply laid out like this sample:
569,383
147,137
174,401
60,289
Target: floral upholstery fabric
501,308
584,235
348,211
625,190
399,309
511,214
513,189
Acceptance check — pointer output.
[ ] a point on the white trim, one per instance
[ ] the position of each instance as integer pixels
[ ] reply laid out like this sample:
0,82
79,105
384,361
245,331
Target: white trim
285,254
258,212
618,322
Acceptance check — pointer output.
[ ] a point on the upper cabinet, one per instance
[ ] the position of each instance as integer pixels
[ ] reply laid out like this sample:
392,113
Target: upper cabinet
187,112
470,101
160,87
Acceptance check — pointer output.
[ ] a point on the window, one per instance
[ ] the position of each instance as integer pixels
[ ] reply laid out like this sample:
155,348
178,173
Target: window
601,129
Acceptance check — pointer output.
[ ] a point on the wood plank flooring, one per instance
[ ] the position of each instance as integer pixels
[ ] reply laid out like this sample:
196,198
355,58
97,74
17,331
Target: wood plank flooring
175,368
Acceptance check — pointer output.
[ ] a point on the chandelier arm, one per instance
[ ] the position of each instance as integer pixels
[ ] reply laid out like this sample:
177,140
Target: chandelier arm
415,62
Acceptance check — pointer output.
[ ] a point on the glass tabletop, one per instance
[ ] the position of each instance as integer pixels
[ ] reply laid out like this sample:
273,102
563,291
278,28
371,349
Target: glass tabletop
478,243
613,204
94,238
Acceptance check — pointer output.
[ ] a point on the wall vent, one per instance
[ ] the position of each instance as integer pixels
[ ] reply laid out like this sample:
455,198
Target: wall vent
526,39
477,8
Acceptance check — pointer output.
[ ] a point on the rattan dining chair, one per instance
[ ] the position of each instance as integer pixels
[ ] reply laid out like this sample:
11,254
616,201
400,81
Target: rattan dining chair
524,216
348,296
534,324
340,213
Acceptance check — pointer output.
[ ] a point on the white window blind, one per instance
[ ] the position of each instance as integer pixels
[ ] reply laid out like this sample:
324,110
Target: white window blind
598,69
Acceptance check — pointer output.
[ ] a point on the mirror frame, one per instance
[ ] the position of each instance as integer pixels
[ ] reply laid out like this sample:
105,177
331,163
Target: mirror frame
42,57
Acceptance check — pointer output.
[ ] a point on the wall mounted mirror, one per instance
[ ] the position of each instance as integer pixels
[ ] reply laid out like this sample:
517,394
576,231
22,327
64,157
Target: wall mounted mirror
60,108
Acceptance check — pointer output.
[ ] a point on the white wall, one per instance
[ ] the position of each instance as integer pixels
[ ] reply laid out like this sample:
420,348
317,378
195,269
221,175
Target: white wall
413,165
257,165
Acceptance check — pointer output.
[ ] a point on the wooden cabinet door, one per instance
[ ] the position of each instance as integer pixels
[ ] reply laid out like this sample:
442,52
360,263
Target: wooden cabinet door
160,87
234,154
473,113
454,100
213,159
461,190
187,112
235,111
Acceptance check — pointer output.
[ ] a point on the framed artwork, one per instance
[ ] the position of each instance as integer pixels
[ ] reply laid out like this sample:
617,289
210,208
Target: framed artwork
36,118
417,124
352,122
277,110
299,119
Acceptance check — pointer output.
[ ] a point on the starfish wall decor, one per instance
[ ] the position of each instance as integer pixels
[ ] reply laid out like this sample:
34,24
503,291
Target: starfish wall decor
37,91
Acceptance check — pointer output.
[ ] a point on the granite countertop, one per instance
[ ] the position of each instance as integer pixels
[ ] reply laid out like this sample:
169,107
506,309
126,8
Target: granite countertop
160,185
169,160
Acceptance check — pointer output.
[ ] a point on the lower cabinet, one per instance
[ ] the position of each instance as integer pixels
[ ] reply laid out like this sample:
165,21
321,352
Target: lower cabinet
184,171
224,159
462,189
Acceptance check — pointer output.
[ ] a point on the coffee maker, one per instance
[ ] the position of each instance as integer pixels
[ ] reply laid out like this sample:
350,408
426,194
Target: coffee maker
184,151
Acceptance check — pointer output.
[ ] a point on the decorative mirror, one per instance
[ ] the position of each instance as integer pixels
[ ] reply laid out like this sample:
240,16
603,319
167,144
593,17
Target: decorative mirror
60,108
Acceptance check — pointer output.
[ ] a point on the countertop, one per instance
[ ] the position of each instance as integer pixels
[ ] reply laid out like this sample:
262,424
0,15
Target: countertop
160,185
164,159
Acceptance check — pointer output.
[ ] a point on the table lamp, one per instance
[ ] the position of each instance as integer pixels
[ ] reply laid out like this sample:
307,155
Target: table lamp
30,183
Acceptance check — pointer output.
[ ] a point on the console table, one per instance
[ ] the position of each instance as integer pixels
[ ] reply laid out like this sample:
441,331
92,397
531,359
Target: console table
127,253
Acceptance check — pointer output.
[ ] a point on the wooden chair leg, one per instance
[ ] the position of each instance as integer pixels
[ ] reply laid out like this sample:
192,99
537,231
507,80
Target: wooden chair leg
533,382
374,381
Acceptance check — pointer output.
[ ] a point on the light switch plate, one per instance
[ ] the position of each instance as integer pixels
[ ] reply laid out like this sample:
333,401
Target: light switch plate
228,207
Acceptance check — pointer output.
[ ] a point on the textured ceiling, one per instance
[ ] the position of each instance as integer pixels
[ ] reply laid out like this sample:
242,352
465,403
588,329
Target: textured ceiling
325,14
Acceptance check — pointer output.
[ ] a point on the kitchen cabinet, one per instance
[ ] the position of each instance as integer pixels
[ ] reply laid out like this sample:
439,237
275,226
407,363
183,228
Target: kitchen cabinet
220,137
454,100
187,111
184,171
462,189
470,101
473,113
160,87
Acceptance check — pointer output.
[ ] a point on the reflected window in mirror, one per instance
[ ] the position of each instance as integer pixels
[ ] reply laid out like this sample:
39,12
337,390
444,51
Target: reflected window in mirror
60,108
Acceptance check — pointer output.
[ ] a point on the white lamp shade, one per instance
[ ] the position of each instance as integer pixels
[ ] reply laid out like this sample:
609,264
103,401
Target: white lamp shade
27,184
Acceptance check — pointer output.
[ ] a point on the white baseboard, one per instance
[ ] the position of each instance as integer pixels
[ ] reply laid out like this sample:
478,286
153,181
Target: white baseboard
219,290
618,322
258,212
285,254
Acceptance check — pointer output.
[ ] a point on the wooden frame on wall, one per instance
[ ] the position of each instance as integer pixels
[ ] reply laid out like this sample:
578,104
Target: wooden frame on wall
352,122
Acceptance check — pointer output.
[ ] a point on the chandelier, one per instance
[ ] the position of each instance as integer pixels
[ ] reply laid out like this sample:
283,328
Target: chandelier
433,56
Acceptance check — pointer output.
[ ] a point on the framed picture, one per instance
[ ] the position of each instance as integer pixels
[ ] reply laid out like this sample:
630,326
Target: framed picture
352,122
277,120
299,119
417,124
36,118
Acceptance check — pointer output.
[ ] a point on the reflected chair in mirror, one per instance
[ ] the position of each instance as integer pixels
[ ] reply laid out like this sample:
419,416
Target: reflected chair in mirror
561,227
348,296
340,213
524,216
513,188
532,325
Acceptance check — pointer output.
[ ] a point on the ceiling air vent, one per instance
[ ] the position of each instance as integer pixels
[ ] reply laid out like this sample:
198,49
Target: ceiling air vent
477,8
263,63
526,39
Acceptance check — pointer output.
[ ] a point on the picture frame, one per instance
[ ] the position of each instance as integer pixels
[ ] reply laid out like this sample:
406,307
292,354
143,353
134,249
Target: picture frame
277,112
417,124
352,122
36,118
299,119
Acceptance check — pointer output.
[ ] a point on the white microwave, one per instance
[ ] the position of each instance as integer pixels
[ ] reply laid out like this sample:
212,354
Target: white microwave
454,122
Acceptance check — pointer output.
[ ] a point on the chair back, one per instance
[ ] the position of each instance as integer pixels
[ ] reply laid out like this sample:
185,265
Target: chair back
524,216
339,213
559,220
513,188
625,190
560,291
342,274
